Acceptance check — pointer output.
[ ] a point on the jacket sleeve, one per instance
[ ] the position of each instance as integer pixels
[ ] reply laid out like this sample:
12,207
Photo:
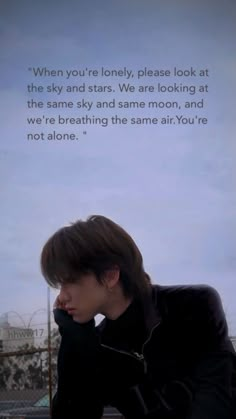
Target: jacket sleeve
77,393
213,395
214,369
207,392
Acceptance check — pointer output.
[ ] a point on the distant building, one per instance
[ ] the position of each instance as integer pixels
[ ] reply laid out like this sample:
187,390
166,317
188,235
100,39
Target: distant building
12,338
233,339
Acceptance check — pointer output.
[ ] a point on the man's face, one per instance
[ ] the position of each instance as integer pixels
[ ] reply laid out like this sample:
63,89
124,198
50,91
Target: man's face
84,299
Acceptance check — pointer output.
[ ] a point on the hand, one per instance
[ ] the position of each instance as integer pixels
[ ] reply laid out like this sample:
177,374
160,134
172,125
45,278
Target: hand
58,303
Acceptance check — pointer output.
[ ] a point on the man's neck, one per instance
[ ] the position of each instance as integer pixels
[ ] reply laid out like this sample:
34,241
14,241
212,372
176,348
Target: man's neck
117,305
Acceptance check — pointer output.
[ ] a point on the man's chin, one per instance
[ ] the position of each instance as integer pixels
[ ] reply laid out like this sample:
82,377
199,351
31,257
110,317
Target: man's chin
80,319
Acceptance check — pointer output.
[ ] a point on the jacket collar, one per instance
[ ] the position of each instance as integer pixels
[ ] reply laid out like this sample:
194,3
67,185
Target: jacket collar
152,310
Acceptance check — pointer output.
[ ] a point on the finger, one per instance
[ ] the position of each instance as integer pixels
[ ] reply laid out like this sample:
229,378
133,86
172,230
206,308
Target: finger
58,303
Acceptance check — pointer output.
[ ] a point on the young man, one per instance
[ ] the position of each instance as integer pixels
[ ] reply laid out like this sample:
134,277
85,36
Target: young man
161,351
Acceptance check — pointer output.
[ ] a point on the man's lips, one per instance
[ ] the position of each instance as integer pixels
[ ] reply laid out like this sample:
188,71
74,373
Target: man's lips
70,310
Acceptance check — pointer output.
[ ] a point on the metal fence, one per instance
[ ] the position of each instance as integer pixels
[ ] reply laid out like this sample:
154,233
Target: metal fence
28,358
27,381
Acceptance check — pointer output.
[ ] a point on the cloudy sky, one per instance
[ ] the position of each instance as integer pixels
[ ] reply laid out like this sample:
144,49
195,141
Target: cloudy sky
171,187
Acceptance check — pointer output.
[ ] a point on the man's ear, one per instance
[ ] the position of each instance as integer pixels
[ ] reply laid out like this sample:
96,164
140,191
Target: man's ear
111,277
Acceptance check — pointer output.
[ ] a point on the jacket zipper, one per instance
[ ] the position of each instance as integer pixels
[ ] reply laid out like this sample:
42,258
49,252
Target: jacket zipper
145,343
135,355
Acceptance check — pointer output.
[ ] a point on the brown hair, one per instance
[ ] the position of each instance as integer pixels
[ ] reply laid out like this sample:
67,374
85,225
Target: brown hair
94,245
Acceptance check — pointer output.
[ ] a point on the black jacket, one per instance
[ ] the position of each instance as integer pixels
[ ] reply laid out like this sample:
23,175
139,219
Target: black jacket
182,366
